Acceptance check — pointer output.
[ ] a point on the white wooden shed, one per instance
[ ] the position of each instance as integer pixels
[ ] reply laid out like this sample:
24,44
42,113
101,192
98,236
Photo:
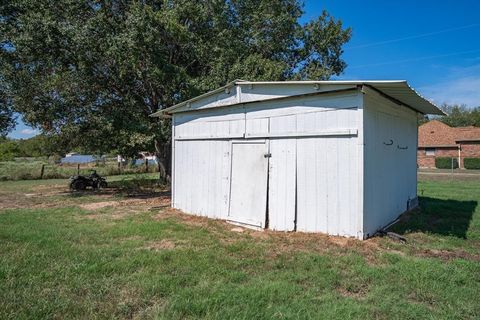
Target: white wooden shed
337,157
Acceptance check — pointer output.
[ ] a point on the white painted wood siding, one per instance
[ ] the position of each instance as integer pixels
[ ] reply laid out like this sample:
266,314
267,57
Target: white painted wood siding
282,184
222,123
302,115
267,91
390,160
202,177
327,184
292,116
313,169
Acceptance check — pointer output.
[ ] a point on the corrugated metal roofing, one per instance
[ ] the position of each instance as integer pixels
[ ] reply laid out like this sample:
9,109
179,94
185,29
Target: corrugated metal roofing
398,90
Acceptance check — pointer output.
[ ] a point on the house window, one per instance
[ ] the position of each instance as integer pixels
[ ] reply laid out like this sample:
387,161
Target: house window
429,151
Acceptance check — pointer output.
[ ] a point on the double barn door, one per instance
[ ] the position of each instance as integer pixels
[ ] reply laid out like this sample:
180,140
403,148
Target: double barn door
261,184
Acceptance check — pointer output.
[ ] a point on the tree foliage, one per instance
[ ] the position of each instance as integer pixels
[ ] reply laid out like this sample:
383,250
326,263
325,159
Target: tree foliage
7,121
39,146
7,118
460,115
8,149
93,71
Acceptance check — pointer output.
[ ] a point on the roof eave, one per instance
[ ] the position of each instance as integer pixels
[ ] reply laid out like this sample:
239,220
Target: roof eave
369,83
206,94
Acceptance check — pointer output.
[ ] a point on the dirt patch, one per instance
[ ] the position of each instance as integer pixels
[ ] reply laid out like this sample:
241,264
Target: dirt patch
143,203
262,235
187,219
447,255
58,195
45,197
294,242
283,242
164,244
342,241
99,205
121,209
358,293
160,245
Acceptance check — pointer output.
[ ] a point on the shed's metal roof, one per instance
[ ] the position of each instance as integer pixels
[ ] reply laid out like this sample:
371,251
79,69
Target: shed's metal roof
399,90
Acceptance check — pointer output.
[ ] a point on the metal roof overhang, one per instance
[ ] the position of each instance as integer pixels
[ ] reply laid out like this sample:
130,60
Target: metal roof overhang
397,90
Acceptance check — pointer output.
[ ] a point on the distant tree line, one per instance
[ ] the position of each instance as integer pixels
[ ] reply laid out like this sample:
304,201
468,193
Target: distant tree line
38,146
457,116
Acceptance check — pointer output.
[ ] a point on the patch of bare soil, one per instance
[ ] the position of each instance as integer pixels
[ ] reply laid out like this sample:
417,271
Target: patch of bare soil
187,219
42,196
99,205
20,201
125,208
160,245
47,196
358,293
447,255
283,242
164,244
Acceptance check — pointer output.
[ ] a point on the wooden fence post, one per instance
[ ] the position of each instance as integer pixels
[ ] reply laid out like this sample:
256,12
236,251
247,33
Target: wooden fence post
78,169
42,171
146,165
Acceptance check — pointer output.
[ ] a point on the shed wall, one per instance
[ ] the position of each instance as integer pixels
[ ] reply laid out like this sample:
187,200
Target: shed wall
390,182
314,174
202,177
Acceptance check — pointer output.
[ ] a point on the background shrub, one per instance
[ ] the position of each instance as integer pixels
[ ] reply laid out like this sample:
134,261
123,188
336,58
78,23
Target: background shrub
471,163
446,163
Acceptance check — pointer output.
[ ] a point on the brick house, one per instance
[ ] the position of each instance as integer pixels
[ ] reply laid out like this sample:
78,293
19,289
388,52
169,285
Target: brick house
437,139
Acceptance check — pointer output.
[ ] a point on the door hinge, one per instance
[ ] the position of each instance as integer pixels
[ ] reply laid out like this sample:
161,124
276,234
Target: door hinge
267,155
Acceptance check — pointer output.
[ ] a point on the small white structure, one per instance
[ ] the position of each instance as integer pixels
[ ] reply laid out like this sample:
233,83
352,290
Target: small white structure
337,157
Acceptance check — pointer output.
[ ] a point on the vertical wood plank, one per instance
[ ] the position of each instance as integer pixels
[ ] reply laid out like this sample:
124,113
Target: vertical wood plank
282,184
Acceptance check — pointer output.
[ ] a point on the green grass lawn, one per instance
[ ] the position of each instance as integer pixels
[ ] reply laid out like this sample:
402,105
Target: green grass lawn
61,260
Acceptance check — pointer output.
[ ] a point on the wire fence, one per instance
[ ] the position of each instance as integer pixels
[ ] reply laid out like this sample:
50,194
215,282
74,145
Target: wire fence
37,169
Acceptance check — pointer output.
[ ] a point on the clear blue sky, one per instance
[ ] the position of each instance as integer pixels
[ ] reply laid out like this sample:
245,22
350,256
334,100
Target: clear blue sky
435,45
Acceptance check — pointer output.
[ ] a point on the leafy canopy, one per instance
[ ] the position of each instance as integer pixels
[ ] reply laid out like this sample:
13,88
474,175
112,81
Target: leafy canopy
93,71
460,115
38,146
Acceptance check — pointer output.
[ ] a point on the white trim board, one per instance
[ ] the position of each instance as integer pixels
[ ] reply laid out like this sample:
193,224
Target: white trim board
324,133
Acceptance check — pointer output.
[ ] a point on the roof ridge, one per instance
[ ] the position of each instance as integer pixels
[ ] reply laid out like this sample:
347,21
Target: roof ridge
399,90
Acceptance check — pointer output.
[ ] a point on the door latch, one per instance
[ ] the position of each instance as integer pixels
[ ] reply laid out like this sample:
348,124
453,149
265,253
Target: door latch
267,155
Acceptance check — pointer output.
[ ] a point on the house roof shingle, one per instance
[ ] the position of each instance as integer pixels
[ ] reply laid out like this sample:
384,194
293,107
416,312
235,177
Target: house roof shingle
438,134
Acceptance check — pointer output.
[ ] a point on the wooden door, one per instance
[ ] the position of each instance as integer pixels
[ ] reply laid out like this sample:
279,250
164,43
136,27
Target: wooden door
248,190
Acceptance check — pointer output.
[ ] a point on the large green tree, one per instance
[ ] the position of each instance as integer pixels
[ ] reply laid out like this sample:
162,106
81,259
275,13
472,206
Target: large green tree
7,118
93,71
460,115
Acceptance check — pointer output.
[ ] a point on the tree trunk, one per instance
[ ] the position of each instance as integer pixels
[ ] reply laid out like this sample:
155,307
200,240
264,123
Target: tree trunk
163,153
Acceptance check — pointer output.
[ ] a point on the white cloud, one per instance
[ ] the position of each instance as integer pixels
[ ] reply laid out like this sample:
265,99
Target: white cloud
29,131
460,86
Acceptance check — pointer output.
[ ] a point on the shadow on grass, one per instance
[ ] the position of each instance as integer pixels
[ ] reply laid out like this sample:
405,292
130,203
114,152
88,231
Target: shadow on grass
438,216
142,188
